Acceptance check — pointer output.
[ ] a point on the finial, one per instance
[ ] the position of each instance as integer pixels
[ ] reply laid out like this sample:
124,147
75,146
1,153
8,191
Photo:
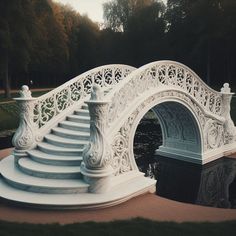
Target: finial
96,93
225,88
25,92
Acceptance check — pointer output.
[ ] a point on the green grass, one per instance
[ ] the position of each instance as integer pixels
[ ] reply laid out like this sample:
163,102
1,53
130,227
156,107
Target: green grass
16,94
8,117
9,111
135,227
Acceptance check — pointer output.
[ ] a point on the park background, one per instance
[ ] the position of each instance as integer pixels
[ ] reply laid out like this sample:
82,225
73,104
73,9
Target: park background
44,43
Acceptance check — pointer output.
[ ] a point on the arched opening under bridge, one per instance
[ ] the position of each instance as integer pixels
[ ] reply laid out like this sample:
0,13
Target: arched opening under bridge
174,133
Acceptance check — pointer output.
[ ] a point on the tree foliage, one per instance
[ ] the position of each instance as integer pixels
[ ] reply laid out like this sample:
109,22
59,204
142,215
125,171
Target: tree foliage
48,43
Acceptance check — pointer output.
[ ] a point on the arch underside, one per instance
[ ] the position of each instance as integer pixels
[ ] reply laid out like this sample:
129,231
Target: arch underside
189,133
181,135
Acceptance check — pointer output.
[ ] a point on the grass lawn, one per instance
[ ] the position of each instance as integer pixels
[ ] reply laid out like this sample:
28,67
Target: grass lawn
9,112
8,121
133,227
16,94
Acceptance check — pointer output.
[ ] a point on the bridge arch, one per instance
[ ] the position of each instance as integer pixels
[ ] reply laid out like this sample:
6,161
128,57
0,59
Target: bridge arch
195,120
166,85
161,102
181,130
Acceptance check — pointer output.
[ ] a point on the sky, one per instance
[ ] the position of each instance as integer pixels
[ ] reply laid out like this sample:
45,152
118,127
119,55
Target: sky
93,8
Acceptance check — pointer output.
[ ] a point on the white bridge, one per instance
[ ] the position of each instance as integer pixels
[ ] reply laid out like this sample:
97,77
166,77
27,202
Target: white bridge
74,145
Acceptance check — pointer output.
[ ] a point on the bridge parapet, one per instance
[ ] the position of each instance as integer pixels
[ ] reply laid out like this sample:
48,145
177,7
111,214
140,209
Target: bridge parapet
43,112
164,74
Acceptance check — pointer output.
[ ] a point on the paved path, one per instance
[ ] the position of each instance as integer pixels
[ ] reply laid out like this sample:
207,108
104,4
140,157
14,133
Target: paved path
147,206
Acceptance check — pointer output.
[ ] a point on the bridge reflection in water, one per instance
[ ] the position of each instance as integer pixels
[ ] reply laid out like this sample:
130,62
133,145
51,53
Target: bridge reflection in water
213,184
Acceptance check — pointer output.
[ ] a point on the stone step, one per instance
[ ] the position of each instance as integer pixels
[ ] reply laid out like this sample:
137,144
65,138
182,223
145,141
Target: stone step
64,142
30,167
79,119
72,134
77,201
83,127
17,179
50,159
51,149
81,112
75,126
84,106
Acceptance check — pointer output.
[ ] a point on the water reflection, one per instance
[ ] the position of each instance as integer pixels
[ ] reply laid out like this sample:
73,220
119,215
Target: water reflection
213,184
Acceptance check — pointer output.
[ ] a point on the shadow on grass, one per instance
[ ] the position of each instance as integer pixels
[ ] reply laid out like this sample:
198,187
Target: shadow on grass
134,227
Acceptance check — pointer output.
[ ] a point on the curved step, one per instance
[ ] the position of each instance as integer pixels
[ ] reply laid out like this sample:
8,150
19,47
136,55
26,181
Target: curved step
84,106
79,119
63,132
64,142
118,195
30,167
51,149
81,112
75,126
51,159
14,177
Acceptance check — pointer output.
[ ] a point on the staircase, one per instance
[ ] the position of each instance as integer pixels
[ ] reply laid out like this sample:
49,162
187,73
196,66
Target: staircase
49,176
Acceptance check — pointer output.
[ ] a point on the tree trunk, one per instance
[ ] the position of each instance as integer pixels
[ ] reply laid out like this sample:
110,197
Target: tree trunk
208,63
228,65
7,82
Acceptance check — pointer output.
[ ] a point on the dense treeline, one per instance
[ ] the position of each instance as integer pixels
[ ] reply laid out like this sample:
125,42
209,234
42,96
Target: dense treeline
198,33
48,43
43,43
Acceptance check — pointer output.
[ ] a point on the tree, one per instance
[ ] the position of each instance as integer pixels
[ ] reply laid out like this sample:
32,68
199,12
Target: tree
50,49
118,12
17,28
146,32
142,26
195,32
87,44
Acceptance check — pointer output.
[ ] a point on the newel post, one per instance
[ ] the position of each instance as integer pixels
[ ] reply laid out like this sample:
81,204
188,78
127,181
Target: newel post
24,138
227,97
97,155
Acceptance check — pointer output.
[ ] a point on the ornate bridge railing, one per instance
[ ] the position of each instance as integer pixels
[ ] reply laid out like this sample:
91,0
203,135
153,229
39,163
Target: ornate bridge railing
38,115
167,74
60,99
117,116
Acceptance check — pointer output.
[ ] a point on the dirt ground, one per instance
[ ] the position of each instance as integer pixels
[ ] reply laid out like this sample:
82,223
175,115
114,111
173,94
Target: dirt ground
148,206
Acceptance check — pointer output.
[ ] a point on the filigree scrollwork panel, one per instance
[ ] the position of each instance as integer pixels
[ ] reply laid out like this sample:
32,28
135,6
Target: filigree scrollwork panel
214,134
121,161
165,74
57,101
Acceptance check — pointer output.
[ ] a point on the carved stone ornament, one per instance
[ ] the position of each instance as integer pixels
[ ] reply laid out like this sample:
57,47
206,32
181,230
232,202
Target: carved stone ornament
97,155
121,144
24,137
229,128
58,101
214,134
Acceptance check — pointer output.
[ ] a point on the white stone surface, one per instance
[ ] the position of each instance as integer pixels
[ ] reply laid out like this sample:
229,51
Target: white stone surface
78,201
54,133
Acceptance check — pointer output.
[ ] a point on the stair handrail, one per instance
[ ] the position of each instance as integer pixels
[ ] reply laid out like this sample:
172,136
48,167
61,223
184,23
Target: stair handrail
39,115
169,75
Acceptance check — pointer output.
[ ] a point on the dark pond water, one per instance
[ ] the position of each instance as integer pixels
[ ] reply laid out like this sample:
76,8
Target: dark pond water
213,184
6,139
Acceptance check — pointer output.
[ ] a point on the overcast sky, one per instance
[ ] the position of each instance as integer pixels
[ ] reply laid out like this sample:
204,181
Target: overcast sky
93,8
